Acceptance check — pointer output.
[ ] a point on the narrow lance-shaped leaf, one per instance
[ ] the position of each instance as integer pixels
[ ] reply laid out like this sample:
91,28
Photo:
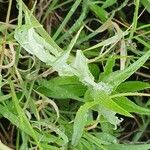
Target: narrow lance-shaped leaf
108,3
61,65
108,68
33,20
99,11
80,122
116,78
127,104
128,147
133,86
104,100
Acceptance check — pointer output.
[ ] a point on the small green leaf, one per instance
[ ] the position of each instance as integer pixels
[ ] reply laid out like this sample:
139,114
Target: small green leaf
108,3
105,101
99,11
130,106
133,86
94,69
146,4
110,116
108,68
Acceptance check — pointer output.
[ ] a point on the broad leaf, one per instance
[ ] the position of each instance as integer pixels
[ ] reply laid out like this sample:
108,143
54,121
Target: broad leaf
62,88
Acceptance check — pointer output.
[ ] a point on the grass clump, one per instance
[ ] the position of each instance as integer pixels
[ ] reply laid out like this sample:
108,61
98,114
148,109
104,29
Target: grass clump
74,75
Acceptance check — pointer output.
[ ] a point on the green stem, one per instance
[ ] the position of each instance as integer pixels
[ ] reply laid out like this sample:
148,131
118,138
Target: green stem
130,94
135,19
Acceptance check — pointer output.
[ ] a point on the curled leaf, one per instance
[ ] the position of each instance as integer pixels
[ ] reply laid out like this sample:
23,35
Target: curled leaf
34,44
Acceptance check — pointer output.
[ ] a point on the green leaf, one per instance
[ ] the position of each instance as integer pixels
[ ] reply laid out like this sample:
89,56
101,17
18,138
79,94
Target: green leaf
99,11
108,68
99,139
130,106
146,4
34,44
62,88
133,86
104,100
128,147
108,3
80,122
93,139
116,78
60,65
87,145
94,69
40,28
